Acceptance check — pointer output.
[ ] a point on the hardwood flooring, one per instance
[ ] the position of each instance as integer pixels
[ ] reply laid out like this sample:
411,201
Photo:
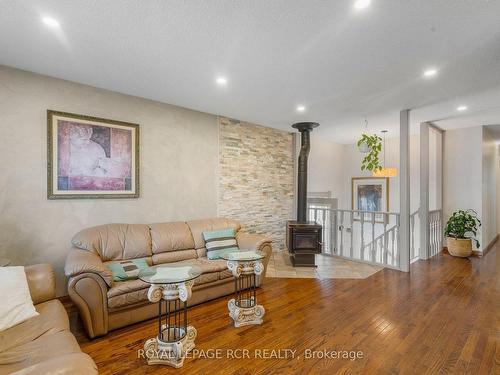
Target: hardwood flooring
443,317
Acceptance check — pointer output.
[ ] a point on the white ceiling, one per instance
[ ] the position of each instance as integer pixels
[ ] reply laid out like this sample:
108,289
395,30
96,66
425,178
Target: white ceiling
342,64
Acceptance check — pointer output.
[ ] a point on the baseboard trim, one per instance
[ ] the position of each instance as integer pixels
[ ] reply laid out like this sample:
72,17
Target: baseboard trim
489,247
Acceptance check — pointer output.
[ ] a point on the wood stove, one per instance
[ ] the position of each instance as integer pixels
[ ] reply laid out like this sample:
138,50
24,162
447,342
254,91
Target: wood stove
304,242
303,238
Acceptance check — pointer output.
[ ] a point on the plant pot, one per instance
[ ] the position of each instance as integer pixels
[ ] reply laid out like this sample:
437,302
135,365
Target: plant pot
364,148
459,247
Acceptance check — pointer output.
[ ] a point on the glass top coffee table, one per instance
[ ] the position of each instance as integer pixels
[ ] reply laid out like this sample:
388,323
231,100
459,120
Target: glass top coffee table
245,265
170,287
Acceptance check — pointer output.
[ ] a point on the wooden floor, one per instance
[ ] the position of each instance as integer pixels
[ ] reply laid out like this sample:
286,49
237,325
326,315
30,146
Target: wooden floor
443,317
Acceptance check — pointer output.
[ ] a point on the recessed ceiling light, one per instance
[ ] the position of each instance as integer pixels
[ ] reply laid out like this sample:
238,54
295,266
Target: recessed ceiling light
49,21
301,108
462,108
430,72
362,4
221,81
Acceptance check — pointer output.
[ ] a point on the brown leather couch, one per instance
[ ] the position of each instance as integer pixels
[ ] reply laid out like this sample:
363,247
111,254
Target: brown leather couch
106,305
43,344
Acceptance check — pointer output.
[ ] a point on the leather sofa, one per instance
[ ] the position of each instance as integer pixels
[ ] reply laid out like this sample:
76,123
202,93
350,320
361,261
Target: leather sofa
105,304
43,344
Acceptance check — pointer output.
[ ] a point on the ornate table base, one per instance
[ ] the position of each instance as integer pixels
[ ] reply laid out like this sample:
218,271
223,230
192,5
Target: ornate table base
159,352
243,309
245,316
175,338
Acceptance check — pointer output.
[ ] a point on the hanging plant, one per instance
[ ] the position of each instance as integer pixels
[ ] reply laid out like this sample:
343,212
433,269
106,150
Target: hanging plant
362,145
371,161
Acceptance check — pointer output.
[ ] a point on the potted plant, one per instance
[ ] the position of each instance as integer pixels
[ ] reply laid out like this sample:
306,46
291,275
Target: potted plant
373,145
461,229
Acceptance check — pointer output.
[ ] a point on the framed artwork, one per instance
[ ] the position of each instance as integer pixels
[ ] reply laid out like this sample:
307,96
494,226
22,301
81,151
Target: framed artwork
370,194
90,157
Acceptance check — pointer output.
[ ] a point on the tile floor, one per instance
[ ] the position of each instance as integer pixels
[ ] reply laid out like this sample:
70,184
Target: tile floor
328,268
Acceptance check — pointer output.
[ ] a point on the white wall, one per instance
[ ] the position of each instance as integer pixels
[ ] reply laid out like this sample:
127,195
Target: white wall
332,165
489,188
325,171
179,156
463,171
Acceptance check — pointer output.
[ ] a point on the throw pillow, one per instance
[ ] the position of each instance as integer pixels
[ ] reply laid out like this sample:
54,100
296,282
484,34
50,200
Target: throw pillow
127,269
219,242
17,305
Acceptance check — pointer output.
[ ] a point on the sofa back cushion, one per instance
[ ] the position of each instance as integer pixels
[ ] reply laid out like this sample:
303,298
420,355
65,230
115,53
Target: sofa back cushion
171,237
174,256
199,226
115,241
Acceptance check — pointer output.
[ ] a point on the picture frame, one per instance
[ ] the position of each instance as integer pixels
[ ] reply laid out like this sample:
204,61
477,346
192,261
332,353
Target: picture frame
91,157
370,194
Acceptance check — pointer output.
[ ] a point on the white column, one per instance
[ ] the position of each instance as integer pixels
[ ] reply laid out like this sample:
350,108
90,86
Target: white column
424,190
404,190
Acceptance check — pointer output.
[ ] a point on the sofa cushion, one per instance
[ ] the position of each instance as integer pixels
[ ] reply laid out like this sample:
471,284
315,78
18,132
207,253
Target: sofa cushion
199,226
115,241
170,237
67,364
38,350
51,318
208,265
130,298
206,278
124,287
134,293
226,274
127,293
174,256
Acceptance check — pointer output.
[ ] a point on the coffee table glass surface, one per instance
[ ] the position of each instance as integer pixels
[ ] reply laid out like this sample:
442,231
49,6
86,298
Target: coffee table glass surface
243,255
170,274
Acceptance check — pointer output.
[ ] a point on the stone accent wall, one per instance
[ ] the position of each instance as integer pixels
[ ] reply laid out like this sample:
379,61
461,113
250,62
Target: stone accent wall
256,179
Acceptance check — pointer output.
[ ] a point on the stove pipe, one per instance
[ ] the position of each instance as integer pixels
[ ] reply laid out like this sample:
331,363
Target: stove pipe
305,129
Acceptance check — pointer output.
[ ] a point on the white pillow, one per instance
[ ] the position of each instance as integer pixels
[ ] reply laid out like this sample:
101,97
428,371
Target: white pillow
16,306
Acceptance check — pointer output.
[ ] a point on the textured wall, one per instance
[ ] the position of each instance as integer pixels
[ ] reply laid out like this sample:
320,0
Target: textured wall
256,177
178,166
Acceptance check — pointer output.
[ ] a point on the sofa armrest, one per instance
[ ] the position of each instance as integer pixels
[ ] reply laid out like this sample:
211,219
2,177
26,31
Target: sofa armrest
83,261
41,282
258,242
88,291
248,241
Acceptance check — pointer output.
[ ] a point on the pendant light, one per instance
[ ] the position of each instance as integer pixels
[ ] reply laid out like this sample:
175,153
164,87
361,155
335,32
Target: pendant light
385,172
363,147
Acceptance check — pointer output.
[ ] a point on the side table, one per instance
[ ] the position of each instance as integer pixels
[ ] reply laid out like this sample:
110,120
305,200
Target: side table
170,288
245,267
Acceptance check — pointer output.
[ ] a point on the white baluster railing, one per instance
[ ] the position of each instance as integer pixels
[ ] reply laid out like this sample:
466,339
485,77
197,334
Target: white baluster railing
414,237
348,239
372,237
435,232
